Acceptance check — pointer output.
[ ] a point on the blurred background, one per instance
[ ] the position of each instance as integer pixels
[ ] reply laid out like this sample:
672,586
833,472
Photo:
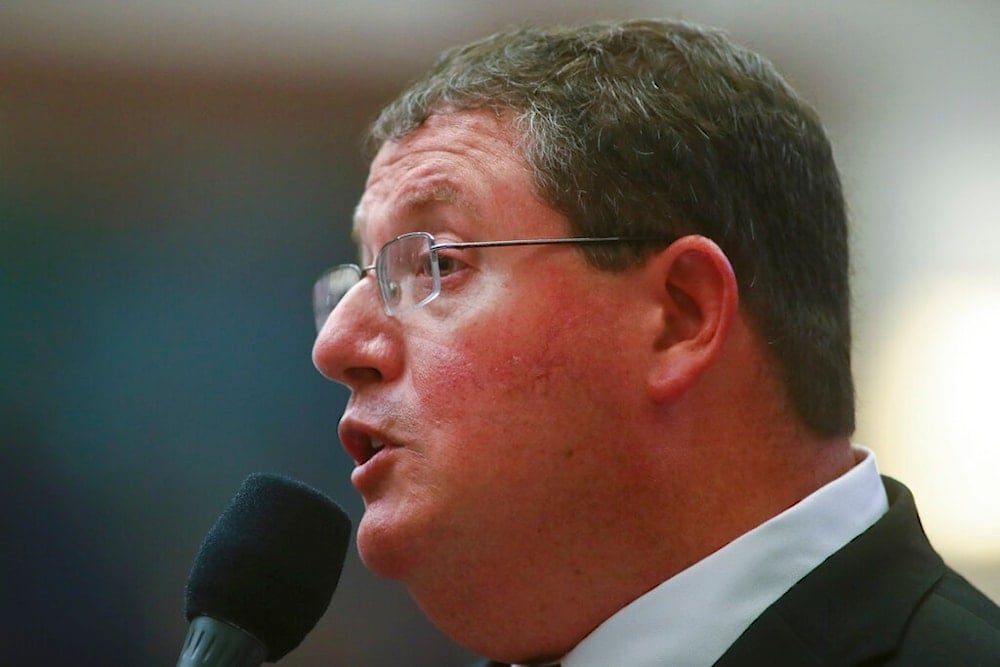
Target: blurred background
173,176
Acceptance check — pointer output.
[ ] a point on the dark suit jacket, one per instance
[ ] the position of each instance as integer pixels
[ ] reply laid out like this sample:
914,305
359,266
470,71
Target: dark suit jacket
886,598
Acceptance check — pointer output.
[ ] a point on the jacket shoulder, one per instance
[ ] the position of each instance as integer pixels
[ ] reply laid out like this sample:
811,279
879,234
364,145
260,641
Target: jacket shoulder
955,624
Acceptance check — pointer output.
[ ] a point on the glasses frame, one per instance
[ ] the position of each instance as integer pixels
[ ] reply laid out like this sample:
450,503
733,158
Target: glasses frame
322,293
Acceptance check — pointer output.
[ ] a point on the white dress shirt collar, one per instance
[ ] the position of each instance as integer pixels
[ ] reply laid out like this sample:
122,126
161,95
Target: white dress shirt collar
691,619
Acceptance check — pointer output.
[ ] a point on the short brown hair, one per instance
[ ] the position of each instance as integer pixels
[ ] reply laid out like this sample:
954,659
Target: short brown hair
648,128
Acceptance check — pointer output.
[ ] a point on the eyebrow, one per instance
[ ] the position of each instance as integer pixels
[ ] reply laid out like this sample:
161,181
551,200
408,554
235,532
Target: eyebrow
441,192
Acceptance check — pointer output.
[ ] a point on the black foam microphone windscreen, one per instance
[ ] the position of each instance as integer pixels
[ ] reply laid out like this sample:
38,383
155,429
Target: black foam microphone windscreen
271,562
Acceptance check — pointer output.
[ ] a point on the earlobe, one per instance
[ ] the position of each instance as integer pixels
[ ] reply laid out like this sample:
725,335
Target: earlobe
697,298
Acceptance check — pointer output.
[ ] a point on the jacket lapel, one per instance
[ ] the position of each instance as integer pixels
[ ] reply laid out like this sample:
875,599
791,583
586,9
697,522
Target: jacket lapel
854,606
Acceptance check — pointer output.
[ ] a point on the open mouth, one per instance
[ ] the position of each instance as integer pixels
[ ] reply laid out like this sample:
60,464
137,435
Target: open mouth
361,445
375,445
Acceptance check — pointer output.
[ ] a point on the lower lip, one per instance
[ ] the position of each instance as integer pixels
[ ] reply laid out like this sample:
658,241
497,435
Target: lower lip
366,473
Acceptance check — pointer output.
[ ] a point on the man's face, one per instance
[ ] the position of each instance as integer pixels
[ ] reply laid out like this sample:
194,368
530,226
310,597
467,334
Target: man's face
488,425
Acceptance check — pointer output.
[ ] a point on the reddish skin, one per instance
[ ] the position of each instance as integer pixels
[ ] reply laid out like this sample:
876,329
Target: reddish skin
542,415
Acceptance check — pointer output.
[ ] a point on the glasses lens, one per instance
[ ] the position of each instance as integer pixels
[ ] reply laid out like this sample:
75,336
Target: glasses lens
331,288
407,272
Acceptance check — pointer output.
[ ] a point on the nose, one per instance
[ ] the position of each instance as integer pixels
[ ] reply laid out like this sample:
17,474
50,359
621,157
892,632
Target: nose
358,344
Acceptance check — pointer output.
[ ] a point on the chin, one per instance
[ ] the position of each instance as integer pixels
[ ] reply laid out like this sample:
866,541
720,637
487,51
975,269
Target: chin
385,549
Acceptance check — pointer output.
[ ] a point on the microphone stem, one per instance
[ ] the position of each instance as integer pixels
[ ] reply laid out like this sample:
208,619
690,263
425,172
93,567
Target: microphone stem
214,643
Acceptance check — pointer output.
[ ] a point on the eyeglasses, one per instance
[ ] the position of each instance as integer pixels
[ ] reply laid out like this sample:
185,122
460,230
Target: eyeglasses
408,269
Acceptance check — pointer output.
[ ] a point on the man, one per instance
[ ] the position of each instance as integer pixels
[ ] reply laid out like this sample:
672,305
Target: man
598,349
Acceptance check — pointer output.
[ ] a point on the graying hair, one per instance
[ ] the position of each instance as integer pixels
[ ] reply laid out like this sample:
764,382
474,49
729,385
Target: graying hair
649,128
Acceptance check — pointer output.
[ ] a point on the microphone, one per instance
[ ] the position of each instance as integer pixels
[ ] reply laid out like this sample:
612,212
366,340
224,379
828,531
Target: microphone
264,574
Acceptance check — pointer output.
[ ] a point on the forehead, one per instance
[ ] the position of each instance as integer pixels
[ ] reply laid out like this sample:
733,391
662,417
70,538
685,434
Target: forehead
468,160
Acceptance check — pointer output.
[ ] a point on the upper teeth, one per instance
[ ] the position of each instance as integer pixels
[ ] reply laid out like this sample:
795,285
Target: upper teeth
377,444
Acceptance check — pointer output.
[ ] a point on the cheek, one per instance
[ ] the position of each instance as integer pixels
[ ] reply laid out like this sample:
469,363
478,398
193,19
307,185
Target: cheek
510,417
490,361
509,377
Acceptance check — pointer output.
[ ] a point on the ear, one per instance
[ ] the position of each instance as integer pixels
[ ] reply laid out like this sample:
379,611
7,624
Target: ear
698,299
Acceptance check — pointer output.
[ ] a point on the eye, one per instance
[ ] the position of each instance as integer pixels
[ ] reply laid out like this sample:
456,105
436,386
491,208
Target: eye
448,264
422,265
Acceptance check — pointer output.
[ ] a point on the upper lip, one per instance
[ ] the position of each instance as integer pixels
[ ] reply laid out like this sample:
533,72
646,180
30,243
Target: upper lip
361,441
